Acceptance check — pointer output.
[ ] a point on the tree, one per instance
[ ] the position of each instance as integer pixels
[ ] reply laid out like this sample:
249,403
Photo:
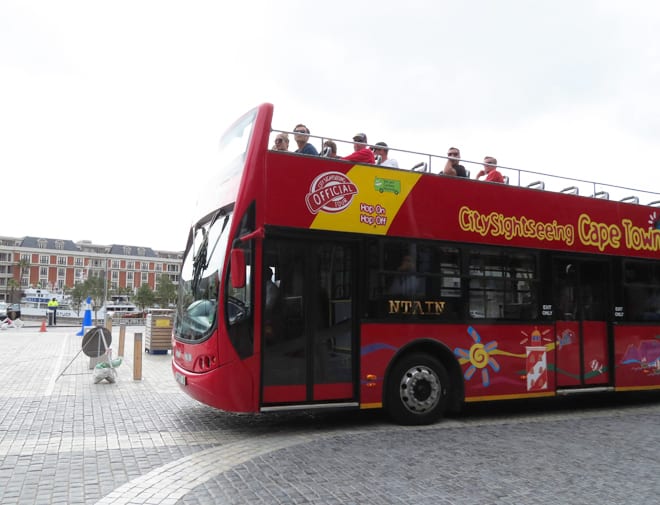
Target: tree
125,291
166,290
78,296
23,267
95,287
13,286
144,297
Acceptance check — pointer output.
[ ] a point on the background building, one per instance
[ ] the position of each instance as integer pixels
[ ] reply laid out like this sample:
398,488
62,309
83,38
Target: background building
56,264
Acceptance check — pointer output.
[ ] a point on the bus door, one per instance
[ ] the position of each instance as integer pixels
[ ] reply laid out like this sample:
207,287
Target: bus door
308,341
581,298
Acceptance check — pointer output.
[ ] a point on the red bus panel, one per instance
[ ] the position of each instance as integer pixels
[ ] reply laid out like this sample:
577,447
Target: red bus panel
497,361
637,357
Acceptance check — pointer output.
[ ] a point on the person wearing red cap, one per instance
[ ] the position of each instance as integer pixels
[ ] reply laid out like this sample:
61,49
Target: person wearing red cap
361,152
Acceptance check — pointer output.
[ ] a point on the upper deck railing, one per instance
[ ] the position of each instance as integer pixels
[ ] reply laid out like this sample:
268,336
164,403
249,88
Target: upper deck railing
435,163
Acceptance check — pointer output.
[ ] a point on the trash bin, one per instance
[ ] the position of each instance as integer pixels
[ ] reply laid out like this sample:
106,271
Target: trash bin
158,338
51,315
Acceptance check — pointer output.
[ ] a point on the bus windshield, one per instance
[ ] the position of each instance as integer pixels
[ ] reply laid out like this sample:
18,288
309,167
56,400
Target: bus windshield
197,305
223,187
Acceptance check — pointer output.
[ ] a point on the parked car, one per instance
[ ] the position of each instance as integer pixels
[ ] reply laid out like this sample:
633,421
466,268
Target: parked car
11,310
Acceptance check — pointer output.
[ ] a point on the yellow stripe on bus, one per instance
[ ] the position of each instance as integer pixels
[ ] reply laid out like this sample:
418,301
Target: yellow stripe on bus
509,397
381,192
636,388
371,405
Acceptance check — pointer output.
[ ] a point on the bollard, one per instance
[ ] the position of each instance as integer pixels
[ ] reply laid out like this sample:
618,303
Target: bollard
108,323
122,336
137,356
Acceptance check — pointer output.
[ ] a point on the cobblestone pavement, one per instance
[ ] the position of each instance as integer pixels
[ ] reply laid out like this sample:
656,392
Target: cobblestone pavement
66,440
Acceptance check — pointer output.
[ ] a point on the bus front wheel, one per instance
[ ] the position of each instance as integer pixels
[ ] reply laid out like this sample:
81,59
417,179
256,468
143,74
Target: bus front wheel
417,390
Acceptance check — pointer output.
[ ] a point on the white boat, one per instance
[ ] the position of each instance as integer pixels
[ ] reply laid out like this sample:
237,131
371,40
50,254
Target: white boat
120,306
35,303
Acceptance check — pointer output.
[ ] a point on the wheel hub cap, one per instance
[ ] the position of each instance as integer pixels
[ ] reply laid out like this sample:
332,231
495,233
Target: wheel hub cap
419,389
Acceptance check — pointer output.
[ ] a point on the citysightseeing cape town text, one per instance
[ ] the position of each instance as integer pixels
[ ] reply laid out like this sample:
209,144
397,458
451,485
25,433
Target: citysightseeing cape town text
590,233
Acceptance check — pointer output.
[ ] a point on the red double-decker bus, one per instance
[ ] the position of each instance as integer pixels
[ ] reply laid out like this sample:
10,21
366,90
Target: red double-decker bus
311,282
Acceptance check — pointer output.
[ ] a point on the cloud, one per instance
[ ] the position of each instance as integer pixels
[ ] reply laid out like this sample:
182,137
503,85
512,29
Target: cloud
112,112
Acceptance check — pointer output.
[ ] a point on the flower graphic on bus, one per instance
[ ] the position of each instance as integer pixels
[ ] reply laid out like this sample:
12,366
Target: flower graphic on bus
479,357
654,221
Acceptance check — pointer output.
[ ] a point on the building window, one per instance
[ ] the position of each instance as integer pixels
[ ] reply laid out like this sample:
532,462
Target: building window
41,243
127,251
145,278
59,244
159,267
130,265
79,262
129,277
115,275
61,260
61,273
141,251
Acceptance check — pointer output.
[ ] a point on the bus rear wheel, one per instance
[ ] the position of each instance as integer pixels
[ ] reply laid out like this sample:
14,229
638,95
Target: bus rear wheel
417,390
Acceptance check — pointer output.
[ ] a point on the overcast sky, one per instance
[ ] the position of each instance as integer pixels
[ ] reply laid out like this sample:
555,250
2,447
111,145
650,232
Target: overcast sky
111,112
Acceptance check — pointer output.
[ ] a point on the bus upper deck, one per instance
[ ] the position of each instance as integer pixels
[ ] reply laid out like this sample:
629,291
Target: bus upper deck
433,164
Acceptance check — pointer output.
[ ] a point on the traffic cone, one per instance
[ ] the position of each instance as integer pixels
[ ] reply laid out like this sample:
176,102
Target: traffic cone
87,318
43,326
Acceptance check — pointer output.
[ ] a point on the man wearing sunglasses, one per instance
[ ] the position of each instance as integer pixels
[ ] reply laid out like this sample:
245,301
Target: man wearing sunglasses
452,166
281,142
301,136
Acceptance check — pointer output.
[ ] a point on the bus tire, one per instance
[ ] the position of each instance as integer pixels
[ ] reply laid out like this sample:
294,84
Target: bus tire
417,390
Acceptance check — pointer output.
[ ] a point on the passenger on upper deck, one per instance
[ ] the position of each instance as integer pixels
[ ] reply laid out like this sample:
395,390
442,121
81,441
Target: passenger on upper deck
361,153
281,142
301,136
452,167
332,146
490,170
381,149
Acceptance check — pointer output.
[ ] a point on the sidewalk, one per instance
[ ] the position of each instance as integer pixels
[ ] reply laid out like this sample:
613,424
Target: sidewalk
64,439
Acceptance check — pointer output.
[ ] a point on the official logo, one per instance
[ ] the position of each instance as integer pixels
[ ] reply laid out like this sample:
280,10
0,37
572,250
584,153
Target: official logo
330,192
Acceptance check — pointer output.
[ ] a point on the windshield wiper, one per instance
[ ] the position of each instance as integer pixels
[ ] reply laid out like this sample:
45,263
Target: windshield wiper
199,262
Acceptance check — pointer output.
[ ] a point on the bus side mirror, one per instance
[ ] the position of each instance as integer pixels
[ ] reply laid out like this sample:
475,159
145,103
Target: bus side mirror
237,268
